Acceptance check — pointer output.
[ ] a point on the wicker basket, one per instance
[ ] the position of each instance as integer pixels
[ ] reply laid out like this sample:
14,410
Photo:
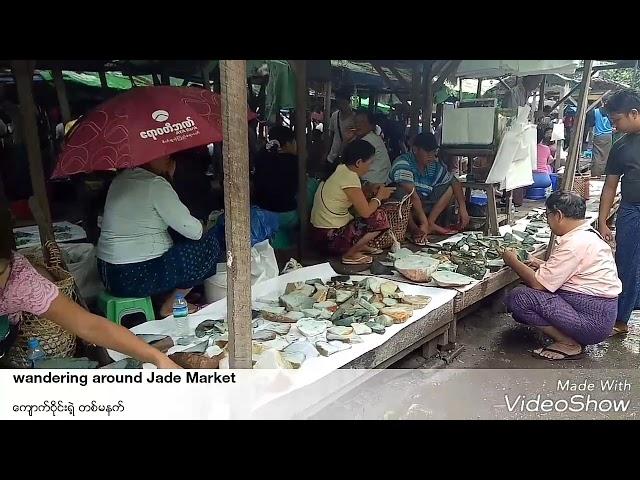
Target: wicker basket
54,340
398,215
581,184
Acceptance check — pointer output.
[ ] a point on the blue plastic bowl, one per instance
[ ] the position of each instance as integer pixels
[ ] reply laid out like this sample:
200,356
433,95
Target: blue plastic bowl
536,193
480,200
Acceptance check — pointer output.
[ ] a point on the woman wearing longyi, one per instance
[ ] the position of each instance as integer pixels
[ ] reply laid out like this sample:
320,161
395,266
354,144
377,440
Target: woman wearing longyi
335,229
137,257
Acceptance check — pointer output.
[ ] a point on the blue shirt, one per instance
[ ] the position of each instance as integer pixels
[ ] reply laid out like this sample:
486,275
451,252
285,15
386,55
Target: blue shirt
603,125
405,170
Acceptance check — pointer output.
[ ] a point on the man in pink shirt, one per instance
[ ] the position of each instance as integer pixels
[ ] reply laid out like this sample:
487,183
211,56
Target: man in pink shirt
572,297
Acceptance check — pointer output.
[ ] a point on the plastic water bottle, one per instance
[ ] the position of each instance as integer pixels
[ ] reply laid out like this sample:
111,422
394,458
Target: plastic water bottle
181,315
35,354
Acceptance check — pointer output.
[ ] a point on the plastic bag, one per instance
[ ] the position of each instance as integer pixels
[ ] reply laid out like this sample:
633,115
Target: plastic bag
264,225
81,262
263,262
80,259
263,267
558,132
516,156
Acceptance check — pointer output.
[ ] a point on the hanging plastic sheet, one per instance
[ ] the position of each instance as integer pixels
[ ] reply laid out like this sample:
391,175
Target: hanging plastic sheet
281,89
516,156
558,132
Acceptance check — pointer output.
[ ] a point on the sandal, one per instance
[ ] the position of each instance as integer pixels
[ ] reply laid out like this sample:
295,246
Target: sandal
362,260
566,356
192,309
617,331
195,308
374,251
420,241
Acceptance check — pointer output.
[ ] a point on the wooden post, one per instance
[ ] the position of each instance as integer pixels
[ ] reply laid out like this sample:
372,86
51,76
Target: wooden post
233,81
155,79
103,81
598,101
165,79
460,90
565,97
578,129
427,101
403,83
387,81
448,70
327,110
6,220
61,91
576,138
540,112
560,143
415,99
479,89
300,68
23,73
206,81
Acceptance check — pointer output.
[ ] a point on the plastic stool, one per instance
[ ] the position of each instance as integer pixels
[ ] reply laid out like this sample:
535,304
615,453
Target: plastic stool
115,308
285,237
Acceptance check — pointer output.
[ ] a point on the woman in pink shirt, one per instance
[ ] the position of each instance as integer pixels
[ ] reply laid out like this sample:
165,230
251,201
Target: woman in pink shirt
23,289
544,158
572,297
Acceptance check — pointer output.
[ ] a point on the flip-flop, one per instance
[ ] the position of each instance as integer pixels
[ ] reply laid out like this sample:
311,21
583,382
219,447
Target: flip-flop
419,241
363,260
375,251
617,331
576,356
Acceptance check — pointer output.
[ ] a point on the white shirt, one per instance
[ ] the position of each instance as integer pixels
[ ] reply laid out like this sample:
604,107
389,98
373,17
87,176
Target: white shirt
140,207
381,164
345,125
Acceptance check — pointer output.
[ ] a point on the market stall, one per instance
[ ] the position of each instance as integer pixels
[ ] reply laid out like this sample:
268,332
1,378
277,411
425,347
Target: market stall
434,321
371,348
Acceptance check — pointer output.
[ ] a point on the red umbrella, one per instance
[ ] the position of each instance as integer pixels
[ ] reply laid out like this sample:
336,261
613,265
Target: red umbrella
141,125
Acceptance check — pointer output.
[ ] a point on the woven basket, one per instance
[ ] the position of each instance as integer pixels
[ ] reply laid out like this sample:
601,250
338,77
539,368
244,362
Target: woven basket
54,340
398,215
581,184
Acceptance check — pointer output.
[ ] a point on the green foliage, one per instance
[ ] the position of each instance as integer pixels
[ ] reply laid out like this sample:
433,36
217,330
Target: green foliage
626,76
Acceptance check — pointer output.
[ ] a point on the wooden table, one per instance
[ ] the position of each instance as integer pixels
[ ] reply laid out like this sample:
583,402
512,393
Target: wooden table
436,328
493,220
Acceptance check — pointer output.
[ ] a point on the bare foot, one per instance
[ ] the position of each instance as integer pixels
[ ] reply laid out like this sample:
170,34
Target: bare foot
567,349
435,228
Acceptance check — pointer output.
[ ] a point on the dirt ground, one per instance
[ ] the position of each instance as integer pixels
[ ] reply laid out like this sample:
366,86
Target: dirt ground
492,339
